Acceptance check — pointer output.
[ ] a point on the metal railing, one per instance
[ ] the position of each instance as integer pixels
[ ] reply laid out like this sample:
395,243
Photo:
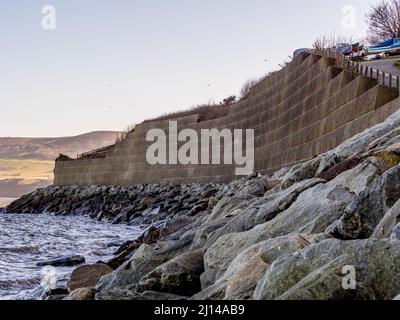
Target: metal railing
95,154
382,77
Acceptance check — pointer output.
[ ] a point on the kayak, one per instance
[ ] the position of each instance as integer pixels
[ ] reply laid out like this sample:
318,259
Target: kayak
391,45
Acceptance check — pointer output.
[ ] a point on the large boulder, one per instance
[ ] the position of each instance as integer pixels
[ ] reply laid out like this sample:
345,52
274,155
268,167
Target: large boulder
180,276
312,212
87,276
67,261
360,177
319,272
363,215
388,223
82,294
262,210
144,260
242,275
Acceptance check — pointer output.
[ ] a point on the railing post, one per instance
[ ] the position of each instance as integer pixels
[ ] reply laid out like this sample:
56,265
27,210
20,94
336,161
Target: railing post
384,77
398,82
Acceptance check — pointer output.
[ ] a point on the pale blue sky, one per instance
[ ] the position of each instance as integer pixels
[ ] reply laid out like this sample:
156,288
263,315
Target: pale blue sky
158,56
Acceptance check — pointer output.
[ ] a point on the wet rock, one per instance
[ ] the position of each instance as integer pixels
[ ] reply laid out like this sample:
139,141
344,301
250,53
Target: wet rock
57,291
82,294
55,294
179,276
144,260
87,276
150,235
68,261
117,243
56,297
316,272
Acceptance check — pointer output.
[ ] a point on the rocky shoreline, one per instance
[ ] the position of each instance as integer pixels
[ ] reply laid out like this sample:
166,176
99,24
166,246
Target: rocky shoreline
288,235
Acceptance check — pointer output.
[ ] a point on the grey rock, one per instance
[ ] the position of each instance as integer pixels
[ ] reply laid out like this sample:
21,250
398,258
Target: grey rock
82,294
363,215
87,276
262,210
316,272
396,233
387,225
180,276
68,261
313,211
143,261
359,178
242,275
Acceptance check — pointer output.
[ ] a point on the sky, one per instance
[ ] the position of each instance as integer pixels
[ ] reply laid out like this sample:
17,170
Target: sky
112,63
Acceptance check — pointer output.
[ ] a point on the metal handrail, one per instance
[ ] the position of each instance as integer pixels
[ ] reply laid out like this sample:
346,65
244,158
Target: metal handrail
383,78
95,154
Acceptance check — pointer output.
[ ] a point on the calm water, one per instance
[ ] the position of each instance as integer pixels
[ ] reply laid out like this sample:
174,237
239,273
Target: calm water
28,239
5,201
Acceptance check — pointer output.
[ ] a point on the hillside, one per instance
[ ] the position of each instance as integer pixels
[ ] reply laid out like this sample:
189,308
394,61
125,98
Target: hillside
27,163
50,148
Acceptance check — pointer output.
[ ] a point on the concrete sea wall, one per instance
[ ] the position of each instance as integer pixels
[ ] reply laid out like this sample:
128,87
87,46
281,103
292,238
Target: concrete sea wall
305,110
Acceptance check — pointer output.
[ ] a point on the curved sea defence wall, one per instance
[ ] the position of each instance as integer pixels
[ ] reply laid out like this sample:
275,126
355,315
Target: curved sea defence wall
306,109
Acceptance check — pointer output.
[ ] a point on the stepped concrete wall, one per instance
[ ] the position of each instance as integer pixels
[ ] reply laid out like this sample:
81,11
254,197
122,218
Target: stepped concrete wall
306,109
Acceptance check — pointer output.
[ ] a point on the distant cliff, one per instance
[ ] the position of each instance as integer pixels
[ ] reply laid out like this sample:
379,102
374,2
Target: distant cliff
50,148
27,163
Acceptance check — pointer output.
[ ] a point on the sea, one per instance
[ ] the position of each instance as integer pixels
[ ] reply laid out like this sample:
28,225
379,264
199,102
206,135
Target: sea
28,239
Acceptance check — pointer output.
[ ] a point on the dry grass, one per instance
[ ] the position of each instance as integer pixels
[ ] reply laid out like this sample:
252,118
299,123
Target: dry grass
205,112
329,41
124,134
